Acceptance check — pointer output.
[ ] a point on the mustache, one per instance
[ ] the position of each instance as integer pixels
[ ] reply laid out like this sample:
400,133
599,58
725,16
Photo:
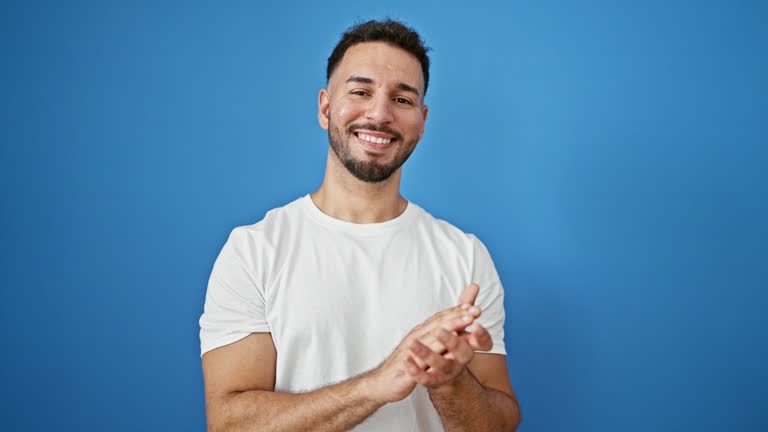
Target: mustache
374,127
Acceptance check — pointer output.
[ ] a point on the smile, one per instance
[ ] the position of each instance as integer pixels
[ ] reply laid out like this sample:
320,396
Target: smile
372,139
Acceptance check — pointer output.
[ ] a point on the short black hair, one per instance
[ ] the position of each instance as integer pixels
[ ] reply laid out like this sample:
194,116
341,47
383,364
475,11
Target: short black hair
389,31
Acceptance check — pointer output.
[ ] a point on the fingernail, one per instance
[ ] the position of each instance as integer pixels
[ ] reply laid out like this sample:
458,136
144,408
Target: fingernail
466,318
464,306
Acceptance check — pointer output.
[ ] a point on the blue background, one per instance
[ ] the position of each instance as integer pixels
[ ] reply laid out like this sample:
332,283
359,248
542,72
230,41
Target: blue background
611,155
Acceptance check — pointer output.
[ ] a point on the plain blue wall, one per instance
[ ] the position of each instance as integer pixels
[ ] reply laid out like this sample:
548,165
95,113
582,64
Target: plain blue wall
612,156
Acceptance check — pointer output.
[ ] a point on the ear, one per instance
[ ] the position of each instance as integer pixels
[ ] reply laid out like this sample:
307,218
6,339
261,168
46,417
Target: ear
323,106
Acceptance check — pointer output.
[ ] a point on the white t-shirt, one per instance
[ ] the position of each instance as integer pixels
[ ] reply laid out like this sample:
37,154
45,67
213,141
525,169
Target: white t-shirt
338,297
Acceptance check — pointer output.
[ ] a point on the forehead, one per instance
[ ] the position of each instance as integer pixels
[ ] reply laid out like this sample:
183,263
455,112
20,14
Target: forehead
381,62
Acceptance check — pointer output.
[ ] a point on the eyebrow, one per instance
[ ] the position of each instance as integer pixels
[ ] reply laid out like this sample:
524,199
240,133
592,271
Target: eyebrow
365,80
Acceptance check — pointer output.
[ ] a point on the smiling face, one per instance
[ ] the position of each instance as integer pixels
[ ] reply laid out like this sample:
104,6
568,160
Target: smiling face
373,109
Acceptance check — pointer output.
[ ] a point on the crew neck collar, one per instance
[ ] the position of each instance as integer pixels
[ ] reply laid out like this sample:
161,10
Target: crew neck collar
357,228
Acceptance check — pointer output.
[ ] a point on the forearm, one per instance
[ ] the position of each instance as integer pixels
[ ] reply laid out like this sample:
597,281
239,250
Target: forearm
337,407
465,405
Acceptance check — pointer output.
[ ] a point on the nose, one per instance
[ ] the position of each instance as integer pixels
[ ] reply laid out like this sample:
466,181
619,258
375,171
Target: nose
380,109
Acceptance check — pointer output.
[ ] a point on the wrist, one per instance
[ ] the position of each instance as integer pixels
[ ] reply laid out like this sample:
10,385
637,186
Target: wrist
370,387
455,385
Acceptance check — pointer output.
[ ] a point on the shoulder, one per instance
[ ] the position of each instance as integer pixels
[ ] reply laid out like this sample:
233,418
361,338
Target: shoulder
446,232
276,224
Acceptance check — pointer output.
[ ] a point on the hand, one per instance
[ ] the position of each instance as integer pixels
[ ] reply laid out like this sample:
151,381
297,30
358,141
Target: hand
391,382
435,369
478,339
440,356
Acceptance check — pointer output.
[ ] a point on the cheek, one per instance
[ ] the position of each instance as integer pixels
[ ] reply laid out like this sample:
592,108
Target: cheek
342,113
413,124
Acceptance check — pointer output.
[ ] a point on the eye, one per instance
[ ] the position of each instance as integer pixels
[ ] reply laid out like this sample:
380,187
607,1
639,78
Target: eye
403,101
359,92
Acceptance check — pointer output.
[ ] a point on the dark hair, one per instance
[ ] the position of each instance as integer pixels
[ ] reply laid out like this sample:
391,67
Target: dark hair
390,31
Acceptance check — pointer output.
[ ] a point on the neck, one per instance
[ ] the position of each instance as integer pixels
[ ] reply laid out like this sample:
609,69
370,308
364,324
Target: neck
344,197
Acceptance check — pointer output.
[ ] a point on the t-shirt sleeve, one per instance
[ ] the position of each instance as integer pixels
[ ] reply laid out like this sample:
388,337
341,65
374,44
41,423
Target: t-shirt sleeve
234,302
491,295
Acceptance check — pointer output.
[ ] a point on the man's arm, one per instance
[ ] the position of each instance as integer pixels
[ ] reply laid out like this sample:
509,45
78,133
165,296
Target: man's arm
479,399
471,392
240,380
239,384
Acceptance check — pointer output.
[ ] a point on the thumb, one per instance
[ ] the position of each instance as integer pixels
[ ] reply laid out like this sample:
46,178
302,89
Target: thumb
470,294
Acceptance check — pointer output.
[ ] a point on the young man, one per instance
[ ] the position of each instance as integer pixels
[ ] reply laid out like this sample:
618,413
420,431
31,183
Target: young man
352,307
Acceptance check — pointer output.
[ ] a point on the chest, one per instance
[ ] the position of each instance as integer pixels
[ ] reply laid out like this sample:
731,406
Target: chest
344,296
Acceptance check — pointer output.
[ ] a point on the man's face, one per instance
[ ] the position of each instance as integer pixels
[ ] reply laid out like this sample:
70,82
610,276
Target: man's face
373,109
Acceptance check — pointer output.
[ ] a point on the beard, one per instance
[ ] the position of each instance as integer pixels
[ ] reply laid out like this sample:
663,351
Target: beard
369,171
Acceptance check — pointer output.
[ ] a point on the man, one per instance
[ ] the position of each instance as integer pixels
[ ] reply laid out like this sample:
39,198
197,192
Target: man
352,307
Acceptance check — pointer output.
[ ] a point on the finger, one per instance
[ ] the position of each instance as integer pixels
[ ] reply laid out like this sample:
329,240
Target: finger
462,309
473,310
418,374
412,367
435,341
479,338
446,312
455,326
459,349
452,320
470,294
428,378
431,358
458,323
430,340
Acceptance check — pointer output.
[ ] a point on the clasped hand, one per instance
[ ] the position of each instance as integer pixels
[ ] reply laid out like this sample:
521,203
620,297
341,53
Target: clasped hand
435,352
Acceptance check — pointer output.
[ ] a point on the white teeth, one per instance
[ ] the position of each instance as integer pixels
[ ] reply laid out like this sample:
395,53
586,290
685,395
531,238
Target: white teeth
374,139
